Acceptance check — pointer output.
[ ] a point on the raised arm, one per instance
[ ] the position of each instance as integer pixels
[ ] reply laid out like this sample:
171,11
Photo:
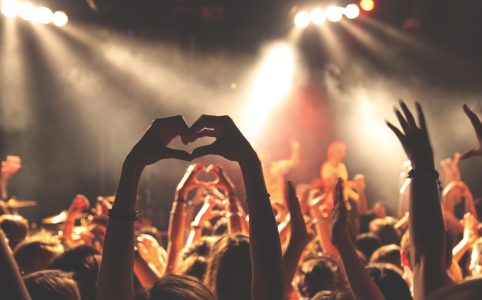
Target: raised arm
116,272
268,280
299,235
177,221
361,283
79,204
478,132
11,282
427,234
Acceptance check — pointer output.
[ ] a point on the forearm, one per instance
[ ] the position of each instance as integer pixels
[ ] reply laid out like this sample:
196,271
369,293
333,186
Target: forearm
147,276
266,259
361,283
116,272
11,282
176,234
427,236
234,215
470,205
292,256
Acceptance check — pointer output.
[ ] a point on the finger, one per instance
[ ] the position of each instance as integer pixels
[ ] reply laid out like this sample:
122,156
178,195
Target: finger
174,126
402,121
408,114
204,150
340,201
205,121
177,154
474,120
470,153
397,132
421,116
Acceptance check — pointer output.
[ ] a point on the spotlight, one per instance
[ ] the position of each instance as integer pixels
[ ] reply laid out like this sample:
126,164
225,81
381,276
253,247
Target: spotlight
318,16
334,13
367,5
60,19
9,8
302,19
352,11
44,15
26,11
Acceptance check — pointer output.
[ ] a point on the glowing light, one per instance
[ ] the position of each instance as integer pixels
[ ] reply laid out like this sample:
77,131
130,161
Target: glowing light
334,13
352,11
302,19
9,8
318,16
367,5
271,85
26,11
44,15
60,19
233,85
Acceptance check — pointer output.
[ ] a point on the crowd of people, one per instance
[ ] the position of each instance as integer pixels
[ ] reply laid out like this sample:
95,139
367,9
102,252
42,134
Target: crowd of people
323,240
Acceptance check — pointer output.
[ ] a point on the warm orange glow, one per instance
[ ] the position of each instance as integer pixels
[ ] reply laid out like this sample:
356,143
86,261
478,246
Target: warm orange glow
367,5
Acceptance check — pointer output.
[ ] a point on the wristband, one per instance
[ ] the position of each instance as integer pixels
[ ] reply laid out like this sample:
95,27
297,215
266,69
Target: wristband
117,213
421,172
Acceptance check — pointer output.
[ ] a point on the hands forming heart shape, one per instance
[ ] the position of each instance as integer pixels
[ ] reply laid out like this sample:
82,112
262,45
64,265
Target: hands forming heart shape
230,142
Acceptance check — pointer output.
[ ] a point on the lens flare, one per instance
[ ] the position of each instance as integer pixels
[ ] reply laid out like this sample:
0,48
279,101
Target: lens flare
334,13
302,19
60,19
352,11
26,11
9,8
367,5
44,15
318,16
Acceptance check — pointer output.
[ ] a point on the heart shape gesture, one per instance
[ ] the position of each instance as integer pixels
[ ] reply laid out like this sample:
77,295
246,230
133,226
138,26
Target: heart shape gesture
229,143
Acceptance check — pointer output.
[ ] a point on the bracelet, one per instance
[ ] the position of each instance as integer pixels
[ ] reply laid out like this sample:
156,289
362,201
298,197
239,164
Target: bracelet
420,172
117,213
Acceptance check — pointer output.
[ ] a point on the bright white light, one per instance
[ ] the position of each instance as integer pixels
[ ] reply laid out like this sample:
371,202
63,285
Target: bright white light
9,8
44,15
352,11
60,18
318,16
271,85
302,19
334,13
26,11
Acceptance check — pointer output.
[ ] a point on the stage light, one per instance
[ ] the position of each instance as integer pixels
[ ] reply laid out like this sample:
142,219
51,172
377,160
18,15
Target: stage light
44,15
302,19
367,5
9,8
318,16
60,19
334,13
352,11
26,11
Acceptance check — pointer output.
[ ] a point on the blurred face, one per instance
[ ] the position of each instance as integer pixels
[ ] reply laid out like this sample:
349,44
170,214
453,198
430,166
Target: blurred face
379,210
337,152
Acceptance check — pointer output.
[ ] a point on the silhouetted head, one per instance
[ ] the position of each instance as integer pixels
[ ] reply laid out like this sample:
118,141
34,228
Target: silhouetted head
177,287
229,268
51,285
37,254
389,254
84,263
390,282
319,274
367,243
385,231
333,295
15,229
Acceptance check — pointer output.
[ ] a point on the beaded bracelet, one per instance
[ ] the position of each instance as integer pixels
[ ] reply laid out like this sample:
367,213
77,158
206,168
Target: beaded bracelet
416,172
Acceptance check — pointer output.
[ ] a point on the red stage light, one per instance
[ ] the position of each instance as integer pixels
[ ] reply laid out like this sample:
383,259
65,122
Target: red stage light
367,5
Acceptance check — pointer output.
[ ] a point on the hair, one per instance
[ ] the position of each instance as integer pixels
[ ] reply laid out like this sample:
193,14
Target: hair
84,263
15,228
229,268
202,247
36,254
177,287
367,243
195,266
390,282
333,295
51,285
319,274
385,231
387,254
